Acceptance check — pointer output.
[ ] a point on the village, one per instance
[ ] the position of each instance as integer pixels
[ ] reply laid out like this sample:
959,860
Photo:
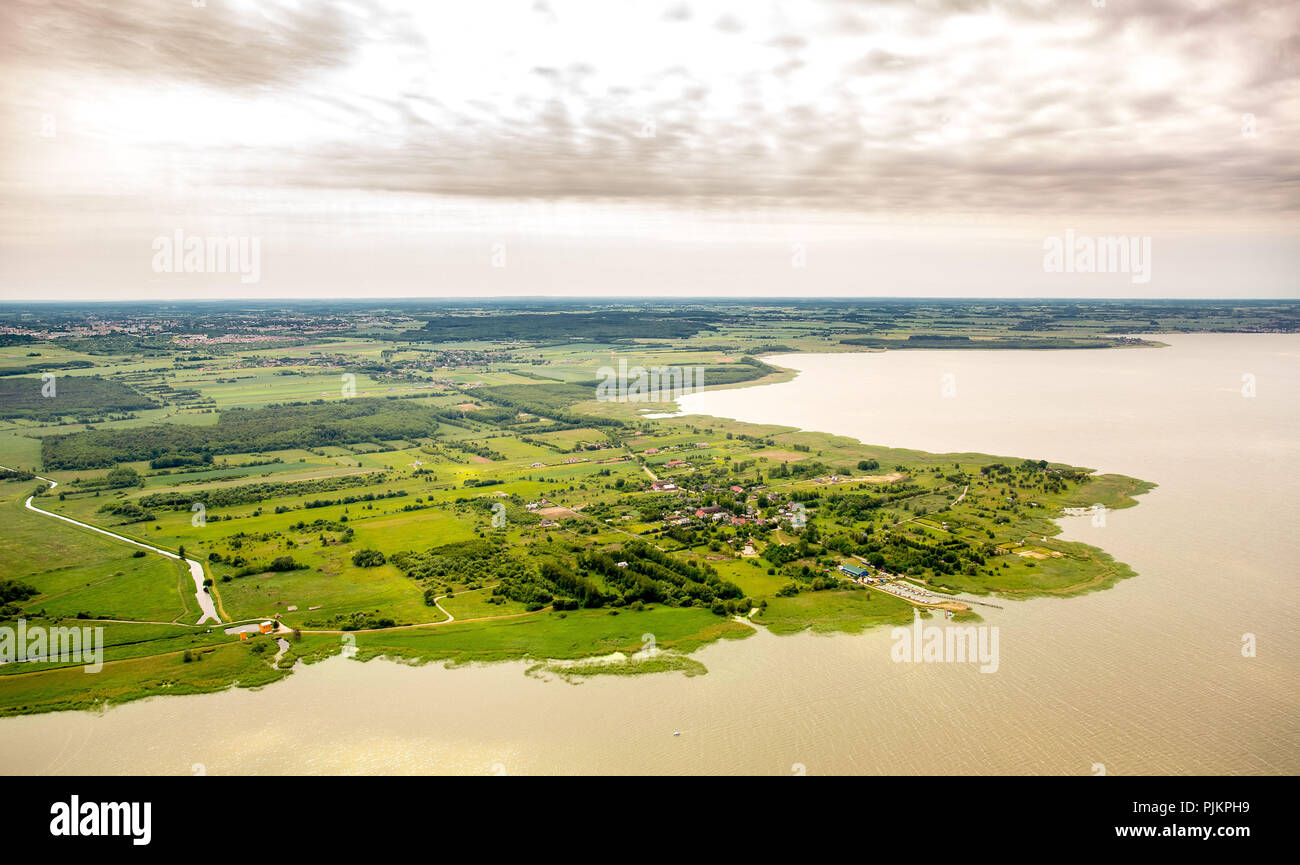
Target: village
756,511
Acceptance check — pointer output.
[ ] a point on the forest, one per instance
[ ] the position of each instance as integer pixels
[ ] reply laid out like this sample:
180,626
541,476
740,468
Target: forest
68,396
245,430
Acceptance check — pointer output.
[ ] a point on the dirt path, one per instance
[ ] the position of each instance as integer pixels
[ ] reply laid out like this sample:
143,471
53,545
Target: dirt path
208,609
450,618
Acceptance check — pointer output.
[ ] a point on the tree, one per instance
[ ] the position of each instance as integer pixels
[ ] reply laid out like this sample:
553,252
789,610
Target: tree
368,558
123,476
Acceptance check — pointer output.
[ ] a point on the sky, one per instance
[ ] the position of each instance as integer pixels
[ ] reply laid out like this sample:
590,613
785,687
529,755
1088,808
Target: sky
577,147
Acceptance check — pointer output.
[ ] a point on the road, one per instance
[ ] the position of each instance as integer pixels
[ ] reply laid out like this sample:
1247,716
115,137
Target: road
446,612
206,605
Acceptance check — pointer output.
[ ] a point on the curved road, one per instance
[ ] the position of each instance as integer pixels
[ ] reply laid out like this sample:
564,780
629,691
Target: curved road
445,611
196,570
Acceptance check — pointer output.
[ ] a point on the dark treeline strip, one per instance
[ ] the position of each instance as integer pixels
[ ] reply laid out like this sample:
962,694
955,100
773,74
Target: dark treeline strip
548,327
547,400
72,396
275,427
183,500
554,401
38,369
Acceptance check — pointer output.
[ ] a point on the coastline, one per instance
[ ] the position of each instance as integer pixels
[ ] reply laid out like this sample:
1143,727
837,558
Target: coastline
379,643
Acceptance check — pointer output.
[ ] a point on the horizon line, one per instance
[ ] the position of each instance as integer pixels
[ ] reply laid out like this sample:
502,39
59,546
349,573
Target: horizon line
656,297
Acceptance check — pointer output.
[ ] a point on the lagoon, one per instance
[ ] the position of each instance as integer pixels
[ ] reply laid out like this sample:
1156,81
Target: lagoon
1148,677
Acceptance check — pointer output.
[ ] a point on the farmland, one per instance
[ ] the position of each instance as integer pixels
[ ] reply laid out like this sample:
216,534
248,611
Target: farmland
393,493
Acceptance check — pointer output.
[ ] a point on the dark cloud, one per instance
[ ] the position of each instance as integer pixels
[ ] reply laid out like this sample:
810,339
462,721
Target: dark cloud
885,105
172,39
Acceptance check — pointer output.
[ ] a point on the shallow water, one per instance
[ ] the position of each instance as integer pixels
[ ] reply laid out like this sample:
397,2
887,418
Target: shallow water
1147,677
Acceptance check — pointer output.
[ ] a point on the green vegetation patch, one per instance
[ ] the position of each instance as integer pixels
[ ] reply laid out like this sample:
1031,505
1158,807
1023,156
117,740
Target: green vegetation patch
67,396
296,425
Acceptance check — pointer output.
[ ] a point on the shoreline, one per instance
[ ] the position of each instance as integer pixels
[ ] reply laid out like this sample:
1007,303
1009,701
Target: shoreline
315,648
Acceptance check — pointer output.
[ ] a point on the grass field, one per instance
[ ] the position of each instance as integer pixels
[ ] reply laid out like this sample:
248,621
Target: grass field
529,507
547,635
834,611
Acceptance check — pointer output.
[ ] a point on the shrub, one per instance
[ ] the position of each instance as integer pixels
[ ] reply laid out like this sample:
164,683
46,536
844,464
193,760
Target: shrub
368,558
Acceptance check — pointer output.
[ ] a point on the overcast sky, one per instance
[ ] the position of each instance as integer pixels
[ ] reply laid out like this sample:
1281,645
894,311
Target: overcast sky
823,147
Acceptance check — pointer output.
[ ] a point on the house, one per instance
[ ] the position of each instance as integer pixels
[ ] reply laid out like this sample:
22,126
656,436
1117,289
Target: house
854,571
737,489
266,627
663,486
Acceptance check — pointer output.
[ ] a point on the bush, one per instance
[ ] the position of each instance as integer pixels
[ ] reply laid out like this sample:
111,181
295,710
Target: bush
368,558
13,590
123,476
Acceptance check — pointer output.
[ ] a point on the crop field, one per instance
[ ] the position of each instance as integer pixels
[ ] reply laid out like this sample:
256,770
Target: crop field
343,485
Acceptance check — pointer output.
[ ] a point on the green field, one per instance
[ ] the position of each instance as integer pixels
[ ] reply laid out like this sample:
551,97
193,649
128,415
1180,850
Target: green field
484,470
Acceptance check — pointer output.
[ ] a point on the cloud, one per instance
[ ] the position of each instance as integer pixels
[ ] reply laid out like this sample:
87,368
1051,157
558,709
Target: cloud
936,106
276,46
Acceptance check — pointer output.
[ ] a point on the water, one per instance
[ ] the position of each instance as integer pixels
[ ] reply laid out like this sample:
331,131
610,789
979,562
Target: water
1147,677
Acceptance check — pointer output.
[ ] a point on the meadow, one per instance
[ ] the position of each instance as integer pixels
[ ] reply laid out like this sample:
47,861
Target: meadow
358,489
